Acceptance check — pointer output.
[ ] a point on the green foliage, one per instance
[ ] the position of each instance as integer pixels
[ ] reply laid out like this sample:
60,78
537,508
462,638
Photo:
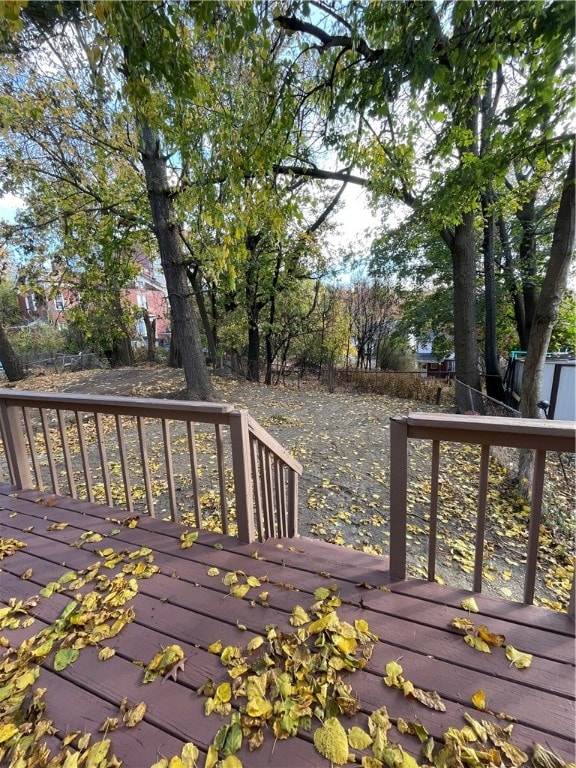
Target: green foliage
564,332
395,354
9,307
38,339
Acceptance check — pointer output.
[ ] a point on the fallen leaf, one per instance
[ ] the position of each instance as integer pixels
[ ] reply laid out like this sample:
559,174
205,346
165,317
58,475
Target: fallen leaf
331,741
490,637
64,657
477,643
163,663
518,658
479,700
131,716
469,604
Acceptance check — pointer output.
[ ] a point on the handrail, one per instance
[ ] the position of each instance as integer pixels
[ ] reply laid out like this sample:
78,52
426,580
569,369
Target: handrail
540,435
93,447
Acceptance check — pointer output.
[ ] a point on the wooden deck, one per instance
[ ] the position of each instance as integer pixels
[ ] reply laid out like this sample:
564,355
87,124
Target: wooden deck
182,604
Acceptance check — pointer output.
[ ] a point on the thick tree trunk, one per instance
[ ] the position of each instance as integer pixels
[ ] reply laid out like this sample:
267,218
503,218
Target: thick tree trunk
553,287
10,361
463,251
184,324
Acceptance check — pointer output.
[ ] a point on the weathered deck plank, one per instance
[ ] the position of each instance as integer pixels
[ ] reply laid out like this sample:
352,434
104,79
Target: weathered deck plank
183,604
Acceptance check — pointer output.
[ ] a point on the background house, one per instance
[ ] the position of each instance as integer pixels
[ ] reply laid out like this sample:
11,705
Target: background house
146,292
433,366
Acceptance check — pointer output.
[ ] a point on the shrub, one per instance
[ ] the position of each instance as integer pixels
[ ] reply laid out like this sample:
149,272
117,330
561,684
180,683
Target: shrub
409,386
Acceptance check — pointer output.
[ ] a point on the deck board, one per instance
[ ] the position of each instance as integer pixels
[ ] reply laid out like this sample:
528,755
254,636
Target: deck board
183,604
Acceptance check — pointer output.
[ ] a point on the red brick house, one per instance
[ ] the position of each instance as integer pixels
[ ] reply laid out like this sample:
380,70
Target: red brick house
147,291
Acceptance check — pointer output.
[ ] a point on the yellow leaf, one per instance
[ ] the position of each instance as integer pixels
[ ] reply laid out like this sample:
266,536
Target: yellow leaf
258,706
189,755
239,590
358,738
71,760
253,581
231,762
518,658
299,616
479,730
163,662
469,604
255,643
133,715
215,647
490,637
393,677
211,757
477,643
97,753
479,700
223,692
515,755
461,623
331,741
106,653
213,572
7,731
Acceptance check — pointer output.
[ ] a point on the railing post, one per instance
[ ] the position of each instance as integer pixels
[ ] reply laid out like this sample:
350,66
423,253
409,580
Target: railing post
292,503
398,482
240,441
16,453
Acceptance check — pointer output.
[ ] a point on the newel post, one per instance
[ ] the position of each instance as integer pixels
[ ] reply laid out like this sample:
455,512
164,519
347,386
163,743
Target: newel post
398,482
15,445
240,440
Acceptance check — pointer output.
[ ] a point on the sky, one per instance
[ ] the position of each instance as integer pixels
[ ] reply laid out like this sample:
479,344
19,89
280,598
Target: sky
353,220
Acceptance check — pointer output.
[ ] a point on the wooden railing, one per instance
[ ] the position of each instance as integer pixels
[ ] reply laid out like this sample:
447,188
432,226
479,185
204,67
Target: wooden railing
540,435
207,464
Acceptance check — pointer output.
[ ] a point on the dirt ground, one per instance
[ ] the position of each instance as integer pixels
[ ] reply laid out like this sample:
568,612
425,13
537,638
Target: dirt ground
342,440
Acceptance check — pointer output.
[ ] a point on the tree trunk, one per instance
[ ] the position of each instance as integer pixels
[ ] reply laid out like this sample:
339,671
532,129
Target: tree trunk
463,251
184,324
253,372
150,324
13,368
512,286
193,275
494,387
122,352
174,356
553,287
528,266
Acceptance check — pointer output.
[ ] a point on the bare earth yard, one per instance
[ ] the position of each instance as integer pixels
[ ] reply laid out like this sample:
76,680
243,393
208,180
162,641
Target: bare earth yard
342,440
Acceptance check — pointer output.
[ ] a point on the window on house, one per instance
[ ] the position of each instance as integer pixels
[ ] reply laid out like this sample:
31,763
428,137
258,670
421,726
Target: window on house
31,303
142,301
59,302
